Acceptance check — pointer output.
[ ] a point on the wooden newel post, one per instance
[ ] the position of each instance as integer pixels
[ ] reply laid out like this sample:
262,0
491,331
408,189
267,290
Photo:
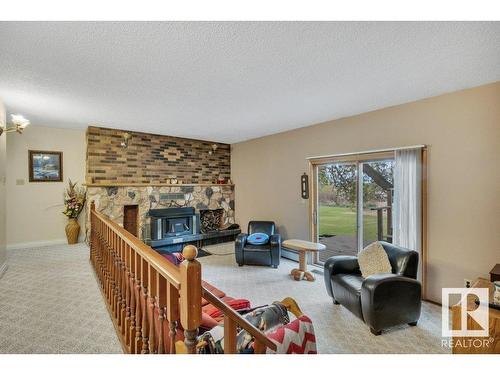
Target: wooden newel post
190,293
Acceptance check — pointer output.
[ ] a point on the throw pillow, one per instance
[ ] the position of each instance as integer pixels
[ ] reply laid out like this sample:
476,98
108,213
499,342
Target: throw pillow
258,238
373,259
236,304
207,322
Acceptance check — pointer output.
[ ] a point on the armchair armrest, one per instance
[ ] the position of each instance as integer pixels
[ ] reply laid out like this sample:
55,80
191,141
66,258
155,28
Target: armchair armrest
239,244
275,242
339,264
371,283
388,299
241,239
342,264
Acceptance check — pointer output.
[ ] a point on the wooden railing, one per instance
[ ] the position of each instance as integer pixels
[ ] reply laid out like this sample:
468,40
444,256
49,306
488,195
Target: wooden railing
232,320
152,302
380,223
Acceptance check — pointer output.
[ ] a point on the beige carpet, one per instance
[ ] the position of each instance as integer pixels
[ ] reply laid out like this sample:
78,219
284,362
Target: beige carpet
50,303
337,330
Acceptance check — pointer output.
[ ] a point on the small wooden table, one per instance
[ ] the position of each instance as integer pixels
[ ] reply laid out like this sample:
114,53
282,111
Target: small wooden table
462,345
303,247
495,273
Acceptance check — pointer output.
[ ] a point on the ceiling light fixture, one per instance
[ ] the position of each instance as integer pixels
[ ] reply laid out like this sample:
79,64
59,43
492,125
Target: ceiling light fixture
19,123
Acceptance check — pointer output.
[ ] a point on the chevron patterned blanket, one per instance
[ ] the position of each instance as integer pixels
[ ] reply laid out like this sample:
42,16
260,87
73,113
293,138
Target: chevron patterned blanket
296,337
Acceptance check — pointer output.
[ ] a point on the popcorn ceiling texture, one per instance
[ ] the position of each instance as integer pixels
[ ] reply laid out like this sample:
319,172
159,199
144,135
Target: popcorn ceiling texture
153,158
234,81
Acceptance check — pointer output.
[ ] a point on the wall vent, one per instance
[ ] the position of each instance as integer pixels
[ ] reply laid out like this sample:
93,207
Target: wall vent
171,196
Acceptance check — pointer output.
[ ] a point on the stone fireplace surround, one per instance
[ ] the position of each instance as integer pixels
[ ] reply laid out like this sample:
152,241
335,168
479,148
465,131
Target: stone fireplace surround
110,200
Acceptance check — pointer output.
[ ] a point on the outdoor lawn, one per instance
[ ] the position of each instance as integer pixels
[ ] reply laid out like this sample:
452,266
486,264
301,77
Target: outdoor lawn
342,221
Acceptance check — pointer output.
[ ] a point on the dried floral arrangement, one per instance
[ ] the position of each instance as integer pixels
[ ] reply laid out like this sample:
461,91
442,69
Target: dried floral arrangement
74,200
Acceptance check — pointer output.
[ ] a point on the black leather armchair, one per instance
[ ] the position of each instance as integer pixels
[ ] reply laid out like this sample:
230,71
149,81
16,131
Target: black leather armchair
383,300
268,254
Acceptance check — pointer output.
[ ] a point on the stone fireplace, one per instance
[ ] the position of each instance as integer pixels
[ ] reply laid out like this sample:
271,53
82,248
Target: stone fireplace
110,200
156,172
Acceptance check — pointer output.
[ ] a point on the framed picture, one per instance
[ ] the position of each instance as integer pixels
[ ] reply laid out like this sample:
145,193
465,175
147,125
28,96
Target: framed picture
45,166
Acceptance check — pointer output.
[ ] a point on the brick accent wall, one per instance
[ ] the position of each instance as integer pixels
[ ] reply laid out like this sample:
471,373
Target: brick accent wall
151,158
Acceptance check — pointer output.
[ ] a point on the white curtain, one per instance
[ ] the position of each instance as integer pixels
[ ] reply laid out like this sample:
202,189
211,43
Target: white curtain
407,200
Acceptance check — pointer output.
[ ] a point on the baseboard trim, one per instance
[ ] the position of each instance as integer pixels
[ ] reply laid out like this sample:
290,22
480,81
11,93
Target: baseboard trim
29,245
431,301
3,269
292,255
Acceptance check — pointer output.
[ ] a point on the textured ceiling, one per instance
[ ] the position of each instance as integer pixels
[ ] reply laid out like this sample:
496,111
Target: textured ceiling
231,81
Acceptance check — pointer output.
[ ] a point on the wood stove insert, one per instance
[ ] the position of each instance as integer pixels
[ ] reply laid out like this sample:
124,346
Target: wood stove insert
173,228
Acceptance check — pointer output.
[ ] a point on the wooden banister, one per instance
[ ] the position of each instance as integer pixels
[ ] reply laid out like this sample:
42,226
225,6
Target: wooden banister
163,266
238,320
190,293
144,292
149,298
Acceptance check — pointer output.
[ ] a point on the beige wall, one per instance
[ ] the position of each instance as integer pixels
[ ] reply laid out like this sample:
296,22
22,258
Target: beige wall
3,139
34,208
462,130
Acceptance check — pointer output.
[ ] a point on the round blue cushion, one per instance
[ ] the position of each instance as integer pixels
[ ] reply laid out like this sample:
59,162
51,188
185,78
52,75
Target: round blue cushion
258,239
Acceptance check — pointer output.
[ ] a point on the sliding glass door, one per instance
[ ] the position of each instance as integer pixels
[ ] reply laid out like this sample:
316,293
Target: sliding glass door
377,197
352,204
337,208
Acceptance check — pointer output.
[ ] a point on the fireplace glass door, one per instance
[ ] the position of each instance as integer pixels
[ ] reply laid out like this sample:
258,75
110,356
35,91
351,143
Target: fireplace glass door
177,226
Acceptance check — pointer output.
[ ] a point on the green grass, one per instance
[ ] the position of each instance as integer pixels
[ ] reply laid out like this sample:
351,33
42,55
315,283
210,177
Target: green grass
342,221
